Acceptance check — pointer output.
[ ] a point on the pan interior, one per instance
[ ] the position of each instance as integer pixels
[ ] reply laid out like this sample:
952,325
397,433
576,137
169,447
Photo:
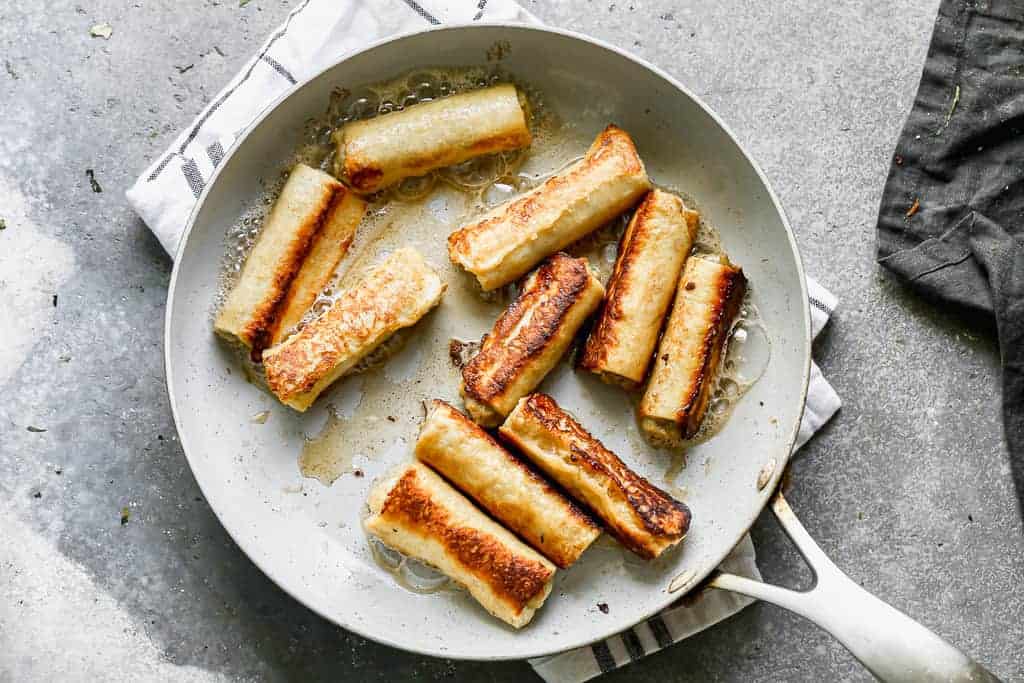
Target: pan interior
307,537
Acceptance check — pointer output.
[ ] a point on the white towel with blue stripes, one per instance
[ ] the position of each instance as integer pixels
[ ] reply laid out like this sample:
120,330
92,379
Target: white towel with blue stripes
315,34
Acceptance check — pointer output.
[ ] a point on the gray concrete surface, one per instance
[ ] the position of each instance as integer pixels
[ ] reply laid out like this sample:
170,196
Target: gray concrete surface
908,489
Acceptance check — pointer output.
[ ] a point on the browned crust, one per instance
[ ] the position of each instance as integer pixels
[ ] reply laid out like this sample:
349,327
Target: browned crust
514,579
366,178
731,286
602,335
562,560
549,292
501,143
259,330
297,367
661,515
612,141
361,177
285,303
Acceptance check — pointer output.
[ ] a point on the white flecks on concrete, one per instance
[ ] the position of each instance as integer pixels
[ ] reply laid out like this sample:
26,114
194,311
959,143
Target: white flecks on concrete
32,268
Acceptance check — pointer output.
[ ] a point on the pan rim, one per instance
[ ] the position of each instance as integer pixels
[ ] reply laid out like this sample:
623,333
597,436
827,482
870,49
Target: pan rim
252,552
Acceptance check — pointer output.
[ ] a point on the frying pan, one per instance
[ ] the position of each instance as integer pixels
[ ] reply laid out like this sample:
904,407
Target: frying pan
307,537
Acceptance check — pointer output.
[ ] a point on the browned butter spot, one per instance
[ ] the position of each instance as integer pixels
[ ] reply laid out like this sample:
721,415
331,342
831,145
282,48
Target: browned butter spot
363,178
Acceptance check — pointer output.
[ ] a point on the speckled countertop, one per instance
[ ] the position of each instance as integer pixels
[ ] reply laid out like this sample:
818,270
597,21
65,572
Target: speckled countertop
112,564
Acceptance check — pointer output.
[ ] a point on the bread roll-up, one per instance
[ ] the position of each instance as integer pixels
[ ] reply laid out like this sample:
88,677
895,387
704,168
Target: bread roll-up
507,241
392,295
251,309
684,368
326,252
381,151
503,485
419,514
651,255
529,337
641,516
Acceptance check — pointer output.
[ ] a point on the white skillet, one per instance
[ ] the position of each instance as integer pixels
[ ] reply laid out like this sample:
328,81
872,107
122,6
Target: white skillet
310,542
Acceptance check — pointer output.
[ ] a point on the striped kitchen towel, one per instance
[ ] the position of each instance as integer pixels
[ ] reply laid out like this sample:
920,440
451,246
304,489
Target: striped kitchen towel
314,35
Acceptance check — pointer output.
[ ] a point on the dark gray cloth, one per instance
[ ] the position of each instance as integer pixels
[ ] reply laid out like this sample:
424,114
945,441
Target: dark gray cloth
951,222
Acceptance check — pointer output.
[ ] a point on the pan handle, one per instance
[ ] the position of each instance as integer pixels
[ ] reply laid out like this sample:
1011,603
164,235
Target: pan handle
887,642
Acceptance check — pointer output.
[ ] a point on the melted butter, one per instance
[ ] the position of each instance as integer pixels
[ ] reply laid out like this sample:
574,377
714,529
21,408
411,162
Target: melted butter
322,458
238,242
371,418
746,356
408,572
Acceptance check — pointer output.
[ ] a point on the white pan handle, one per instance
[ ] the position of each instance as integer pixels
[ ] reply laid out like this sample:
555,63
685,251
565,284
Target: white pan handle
890,644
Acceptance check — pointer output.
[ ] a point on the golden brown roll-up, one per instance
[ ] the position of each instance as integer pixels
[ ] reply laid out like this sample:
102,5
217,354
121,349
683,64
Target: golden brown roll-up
381,151
419,514
251,309
506,242
641,516
529,337
329,246
392,295
651,255
503,485
683,372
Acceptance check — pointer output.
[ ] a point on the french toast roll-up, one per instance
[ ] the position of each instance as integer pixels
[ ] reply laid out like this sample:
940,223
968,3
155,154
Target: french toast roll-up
310,202
416,512
507,241
651,255
529,337
392,295
684,368
503,485
381,151
638,514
